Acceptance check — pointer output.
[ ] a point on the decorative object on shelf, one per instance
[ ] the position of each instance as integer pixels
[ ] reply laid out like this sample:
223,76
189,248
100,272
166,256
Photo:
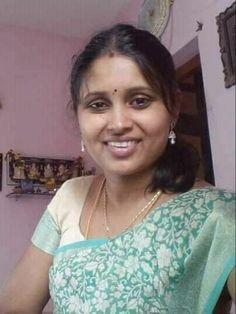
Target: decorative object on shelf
226,22
31,175
51,185
154,16
27,186
17,165
0,172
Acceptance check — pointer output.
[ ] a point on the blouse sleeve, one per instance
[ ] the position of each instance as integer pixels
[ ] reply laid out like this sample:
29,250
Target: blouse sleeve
47,234
48,231
60,214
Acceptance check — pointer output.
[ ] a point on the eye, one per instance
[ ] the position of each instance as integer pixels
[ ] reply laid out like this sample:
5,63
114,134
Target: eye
141,102
98,105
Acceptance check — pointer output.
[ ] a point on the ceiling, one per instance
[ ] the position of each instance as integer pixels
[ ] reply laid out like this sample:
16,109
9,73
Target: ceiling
70,18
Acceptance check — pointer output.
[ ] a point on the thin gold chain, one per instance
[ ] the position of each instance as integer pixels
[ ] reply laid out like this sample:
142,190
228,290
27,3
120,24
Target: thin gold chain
94,208
143,210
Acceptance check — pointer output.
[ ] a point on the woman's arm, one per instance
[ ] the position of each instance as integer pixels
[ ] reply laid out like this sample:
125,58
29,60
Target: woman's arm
27,289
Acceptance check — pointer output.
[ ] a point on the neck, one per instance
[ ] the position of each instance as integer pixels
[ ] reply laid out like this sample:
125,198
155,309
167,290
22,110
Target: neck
123,189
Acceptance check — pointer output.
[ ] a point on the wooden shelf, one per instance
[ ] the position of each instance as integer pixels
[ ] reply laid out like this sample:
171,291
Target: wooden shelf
28,194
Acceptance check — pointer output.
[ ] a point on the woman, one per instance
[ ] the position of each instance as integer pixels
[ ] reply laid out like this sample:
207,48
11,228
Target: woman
145,236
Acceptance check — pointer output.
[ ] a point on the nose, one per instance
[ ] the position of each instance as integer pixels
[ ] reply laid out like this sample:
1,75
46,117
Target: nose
119,120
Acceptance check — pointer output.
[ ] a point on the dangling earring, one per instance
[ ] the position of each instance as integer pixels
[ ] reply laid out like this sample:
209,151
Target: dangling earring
82,146
172,136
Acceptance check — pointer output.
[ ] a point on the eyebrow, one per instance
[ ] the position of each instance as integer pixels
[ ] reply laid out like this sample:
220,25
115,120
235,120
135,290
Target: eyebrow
131,90
94,94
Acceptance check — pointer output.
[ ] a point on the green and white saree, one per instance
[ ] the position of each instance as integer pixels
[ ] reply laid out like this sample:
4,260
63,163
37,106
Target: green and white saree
176,261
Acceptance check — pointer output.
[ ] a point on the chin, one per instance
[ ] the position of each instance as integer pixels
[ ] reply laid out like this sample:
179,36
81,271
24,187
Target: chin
125,170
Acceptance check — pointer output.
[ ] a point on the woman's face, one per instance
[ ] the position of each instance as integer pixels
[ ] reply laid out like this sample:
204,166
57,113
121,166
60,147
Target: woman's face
124,123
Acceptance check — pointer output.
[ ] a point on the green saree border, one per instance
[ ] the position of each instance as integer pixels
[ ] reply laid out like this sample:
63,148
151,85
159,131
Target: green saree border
219,286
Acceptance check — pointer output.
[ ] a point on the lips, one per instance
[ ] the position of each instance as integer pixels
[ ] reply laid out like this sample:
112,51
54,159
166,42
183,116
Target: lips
122,148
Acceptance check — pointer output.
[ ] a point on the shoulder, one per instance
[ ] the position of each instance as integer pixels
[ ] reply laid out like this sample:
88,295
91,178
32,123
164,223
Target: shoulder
75,185
205,199
73,188
70,195
211,193
212,200
202,197
199,183
208,213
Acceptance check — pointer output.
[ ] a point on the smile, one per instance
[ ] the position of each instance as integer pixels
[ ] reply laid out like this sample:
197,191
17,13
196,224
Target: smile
122,149
122,144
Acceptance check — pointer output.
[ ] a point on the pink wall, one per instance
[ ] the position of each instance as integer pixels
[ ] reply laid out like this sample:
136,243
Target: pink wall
220,101
33,121
33,90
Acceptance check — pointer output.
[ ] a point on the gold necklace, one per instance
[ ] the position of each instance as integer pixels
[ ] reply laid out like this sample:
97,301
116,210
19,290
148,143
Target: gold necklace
143,210
94,208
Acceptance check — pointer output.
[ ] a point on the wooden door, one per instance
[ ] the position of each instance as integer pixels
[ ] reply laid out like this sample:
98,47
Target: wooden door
192,125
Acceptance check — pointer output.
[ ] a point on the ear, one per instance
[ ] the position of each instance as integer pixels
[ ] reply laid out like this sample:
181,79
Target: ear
176,109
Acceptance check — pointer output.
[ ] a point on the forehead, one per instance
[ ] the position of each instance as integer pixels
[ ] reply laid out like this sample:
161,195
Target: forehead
113,72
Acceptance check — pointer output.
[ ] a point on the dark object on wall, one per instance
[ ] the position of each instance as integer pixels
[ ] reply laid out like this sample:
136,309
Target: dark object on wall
226,22
199,26
0,172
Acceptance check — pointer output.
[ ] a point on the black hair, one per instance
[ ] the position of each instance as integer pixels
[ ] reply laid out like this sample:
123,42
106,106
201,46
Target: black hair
176,169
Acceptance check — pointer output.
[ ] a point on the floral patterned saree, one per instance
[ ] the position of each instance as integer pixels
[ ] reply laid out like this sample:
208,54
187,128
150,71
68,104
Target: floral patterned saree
175,261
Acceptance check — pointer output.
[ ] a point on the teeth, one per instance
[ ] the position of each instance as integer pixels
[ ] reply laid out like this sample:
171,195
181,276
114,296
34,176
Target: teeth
121,144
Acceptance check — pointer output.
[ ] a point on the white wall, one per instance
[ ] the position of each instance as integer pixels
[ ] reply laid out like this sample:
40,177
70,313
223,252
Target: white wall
220,101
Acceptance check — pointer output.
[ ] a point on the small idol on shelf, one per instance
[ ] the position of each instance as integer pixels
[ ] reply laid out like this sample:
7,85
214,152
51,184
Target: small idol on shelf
64,173
50,184
16,165
33,172
48,171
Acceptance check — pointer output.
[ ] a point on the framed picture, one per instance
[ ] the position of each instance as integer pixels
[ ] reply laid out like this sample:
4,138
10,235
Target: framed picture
40,170
226,22
0,172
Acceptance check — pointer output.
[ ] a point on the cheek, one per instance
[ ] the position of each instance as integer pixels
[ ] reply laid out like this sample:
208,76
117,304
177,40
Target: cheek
91,126
156,118
158,127
82,125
